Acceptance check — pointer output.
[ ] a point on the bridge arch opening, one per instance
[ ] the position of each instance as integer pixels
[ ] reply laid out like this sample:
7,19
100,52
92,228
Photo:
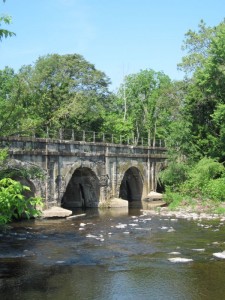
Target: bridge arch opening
83,189
131,187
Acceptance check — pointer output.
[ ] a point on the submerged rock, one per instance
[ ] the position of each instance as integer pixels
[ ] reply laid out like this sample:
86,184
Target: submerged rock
117,202
56,212
154,196
199,250
75,216
180,260
121,226
220,254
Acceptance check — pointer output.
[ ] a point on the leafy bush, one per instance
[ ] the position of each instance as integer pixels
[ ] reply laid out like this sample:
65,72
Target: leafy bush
174,175
173,199
204,181
205,170
202,175
13,204
215,189
3,155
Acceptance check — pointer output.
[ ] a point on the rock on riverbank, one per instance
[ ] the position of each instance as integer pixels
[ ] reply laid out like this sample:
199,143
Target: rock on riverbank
56,212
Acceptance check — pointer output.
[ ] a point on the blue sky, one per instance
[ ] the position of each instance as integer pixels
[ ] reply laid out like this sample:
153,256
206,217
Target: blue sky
119,37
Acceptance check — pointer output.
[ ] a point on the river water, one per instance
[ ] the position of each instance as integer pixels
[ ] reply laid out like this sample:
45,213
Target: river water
112,254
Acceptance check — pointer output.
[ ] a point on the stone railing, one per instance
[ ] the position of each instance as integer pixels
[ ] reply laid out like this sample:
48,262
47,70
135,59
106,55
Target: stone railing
91,137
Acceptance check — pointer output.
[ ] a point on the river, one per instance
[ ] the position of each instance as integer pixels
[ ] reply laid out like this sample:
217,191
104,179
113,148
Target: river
112,254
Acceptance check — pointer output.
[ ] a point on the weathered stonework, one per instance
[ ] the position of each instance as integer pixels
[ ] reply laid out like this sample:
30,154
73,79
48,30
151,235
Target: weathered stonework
89,174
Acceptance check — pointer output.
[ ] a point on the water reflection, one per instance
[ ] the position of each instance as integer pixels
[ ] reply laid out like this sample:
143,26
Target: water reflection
111,254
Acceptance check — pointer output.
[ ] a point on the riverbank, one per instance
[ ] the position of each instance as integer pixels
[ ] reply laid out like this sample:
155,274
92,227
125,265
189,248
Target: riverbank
197,210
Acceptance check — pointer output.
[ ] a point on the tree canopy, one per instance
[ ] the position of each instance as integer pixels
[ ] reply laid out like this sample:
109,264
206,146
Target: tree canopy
59,91
5,20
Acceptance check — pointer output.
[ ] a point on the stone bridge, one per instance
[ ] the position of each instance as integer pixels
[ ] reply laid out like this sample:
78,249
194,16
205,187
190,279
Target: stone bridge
88,174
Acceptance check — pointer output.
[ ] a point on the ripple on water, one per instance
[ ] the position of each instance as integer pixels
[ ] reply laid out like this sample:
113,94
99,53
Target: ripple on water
113,255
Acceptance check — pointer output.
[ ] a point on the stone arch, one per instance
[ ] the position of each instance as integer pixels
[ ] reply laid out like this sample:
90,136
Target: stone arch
29,183
131,187
35,184
82,188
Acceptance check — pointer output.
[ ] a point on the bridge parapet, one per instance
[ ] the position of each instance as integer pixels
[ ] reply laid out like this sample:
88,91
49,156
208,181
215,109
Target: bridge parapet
66,147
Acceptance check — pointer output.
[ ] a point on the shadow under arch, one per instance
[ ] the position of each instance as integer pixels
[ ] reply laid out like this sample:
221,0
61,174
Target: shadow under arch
159,185
83,189
131,187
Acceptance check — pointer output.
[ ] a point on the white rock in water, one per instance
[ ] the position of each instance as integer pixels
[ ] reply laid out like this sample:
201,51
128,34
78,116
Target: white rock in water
146,229
100,239
175,253
199,250
121,226
219,254
180,260
91,236
171,230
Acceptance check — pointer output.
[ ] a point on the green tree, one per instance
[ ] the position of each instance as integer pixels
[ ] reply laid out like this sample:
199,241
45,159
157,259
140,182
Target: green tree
11,110
63,91
197,137
196,45
6,20
143,102
206,90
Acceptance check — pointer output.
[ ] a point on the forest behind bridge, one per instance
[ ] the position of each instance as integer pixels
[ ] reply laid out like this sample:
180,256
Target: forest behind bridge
67,91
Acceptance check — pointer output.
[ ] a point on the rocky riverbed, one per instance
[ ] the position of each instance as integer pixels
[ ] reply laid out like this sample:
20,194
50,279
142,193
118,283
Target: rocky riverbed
185,213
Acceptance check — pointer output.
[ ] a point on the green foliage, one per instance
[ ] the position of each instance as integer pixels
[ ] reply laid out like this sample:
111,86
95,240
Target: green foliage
66,91
196,45
203,180
146,102
219,210
4,33
11,108
173,199
13,204
174,175
215,189
11,171
3,156
58,91
198,131
201,175
203,106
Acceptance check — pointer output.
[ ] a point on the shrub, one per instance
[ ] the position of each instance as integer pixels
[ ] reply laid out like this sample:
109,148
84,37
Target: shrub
173,199
174,175
200,176
215,189
13,204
